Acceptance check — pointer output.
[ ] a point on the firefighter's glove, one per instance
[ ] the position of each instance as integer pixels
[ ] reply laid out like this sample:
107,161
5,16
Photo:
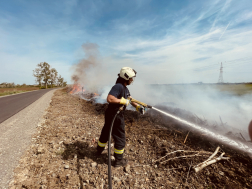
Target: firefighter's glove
140,109
124,101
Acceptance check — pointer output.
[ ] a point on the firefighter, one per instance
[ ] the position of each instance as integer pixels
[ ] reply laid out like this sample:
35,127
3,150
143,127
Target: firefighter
116,98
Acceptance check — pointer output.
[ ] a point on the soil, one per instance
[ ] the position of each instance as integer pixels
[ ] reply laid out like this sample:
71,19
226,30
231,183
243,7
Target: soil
63,152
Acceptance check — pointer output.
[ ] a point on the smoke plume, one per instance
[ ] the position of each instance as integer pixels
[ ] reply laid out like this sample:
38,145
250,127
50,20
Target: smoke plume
89,72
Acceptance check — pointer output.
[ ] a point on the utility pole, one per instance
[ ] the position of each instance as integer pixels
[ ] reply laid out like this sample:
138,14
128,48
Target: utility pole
221,75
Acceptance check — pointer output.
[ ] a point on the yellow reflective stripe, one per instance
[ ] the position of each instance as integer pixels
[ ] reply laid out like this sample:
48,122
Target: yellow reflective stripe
101,144
119,151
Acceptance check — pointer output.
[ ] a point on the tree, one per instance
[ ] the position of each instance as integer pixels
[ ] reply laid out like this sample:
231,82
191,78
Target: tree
46,72
60,81
64,84
3,84
53,76
8,85
42,72
38,75
47,75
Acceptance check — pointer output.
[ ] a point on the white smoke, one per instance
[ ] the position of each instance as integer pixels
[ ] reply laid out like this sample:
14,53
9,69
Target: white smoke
207,101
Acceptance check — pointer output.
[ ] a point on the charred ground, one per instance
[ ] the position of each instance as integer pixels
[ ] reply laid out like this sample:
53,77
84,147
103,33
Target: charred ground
62,154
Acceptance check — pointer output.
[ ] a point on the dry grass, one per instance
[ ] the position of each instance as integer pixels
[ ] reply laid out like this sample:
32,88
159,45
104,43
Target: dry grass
9,91
236,89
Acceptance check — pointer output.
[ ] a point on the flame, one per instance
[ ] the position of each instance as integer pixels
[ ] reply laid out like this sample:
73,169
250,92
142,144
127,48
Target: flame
95,94
76,88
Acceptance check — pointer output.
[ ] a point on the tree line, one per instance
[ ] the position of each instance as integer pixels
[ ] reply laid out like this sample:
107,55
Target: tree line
13,85
45,75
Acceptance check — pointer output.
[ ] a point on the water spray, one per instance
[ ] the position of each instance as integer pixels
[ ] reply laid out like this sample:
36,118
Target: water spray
232,143
235,144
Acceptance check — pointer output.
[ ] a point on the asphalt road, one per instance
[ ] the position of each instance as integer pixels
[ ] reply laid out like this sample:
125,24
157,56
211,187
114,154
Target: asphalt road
10,105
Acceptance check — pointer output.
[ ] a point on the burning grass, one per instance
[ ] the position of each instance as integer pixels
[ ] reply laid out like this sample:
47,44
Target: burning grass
62,154
9,91
76,88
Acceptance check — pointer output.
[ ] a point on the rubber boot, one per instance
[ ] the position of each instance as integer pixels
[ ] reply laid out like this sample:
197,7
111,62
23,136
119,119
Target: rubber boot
122,162
99,151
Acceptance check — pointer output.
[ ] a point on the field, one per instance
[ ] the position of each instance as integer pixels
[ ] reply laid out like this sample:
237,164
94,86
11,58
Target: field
234,89
161,152
9,91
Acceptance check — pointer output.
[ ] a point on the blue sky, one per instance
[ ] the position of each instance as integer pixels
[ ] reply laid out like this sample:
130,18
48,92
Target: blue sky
165,41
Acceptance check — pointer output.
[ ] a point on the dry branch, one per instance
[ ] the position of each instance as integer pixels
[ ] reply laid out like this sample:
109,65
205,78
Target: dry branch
154,129
178,131
187,151
186,137
188,172
243,137
187,156
215,152
210,160
175,168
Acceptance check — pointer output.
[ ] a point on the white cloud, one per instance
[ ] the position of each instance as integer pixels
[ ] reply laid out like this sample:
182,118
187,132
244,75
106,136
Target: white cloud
179,57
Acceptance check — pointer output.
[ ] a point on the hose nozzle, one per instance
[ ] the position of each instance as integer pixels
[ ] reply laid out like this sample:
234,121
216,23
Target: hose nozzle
138,102
148,106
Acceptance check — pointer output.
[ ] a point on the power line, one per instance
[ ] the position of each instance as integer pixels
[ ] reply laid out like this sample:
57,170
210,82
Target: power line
227,64
239,63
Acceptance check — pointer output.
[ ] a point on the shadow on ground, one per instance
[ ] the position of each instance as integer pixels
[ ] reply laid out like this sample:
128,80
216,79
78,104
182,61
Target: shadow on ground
82,150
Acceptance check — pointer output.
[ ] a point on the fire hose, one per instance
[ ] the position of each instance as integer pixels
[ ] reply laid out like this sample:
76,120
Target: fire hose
109,139
109,148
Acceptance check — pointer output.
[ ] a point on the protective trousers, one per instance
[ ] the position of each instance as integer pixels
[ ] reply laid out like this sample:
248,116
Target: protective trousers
118,133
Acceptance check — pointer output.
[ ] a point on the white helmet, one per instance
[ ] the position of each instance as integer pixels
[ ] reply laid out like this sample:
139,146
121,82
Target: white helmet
127,72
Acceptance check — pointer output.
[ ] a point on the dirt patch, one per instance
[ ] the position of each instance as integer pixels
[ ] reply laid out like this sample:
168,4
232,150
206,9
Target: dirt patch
62,154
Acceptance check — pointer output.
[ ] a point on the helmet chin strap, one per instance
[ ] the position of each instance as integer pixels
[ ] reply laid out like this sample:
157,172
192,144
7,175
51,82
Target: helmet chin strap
133,79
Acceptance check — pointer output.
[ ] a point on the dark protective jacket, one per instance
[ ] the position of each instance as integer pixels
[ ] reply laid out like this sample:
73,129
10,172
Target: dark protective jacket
118,132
